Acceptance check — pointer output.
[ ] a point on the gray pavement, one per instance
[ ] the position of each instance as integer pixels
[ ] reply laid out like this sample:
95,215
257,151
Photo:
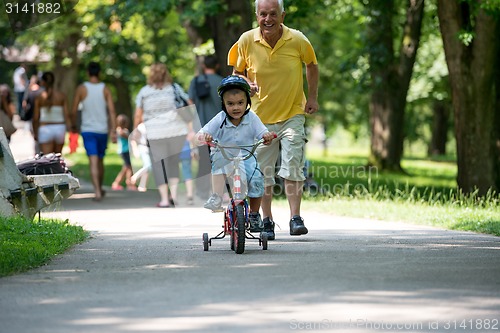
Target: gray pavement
144,270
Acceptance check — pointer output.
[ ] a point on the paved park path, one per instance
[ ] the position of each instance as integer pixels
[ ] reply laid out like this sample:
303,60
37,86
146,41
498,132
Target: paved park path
144,270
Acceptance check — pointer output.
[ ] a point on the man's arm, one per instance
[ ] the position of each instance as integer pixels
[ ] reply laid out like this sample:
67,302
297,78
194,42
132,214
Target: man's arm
67,115
74,110
312,76
111,113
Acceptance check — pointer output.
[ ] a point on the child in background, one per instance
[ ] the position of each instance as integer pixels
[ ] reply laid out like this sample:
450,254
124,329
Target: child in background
186,156
142,175
125,173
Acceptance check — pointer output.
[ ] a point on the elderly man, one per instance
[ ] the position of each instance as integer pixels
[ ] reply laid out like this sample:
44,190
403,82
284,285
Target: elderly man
271,58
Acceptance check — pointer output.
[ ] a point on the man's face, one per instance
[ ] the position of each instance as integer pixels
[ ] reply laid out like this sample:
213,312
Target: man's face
269,17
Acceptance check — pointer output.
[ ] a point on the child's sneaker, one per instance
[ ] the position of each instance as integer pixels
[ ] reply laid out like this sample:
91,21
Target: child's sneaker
214,203
256,224
269,228
116,187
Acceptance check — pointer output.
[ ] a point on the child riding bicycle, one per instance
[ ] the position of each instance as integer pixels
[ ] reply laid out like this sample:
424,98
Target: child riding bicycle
235,125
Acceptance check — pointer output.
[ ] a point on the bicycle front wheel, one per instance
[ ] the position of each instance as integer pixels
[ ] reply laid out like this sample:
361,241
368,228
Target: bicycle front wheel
239,230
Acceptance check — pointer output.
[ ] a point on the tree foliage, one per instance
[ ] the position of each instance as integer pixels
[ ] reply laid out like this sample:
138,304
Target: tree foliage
358,44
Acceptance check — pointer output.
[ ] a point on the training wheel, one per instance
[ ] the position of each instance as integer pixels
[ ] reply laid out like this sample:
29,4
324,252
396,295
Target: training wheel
205,242
263,239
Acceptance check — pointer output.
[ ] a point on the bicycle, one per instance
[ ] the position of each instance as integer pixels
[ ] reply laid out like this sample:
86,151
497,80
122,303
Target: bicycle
236,220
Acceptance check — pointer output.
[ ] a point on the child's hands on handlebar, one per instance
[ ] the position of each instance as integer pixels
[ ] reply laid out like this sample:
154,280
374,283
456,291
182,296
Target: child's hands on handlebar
203,139
207,137
269,137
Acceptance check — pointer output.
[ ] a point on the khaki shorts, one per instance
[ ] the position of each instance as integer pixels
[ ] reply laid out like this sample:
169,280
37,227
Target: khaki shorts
292,151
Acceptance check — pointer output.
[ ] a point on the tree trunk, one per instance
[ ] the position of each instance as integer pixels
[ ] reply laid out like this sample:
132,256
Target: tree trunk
227,27
496,121
440,126
66,64
472,81
390,78
496,134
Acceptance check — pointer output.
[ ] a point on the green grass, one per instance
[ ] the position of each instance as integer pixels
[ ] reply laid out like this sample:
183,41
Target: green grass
78,164
26,244
448,216
348,174
425,194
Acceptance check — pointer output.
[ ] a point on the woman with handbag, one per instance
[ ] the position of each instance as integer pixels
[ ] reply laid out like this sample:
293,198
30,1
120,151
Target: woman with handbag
7,111
157,106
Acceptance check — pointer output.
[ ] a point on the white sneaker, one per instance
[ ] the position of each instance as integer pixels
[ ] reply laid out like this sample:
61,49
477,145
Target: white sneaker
214,202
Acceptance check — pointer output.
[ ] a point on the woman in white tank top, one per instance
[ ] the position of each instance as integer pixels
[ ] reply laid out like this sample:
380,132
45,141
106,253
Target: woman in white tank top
51,118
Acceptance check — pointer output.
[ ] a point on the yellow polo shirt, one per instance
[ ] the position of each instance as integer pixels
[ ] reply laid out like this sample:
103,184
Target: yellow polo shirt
277,71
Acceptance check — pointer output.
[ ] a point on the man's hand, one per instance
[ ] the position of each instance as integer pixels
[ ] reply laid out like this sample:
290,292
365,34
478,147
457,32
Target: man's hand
254,88
312,106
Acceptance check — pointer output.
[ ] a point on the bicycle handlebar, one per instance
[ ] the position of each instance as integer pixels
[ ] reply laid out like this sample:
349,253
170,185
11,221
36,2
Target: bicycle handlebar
215,143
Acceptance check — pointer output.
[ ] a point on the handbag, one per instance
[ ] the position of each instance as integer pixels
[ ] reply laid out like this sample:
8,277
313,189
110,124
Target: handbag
6,123
182,105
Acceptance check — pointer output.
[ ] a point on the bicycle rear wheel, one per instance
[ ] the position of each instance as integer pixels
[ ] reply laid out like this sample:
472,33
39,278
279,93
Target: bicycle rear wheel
239,230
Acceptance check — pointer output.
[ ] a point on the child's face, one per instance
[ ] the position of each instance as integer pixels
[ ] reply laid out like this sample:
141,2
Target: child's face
121,121
236,103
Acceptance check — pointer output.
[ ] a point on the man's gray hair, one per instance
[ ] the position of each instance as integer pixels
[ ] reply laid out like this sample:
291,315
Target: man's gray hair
280,3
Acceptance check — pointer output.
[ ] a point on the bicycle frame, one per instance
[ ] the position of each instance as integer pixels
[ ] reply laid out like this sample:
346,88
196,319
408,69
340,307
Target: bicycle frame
236,220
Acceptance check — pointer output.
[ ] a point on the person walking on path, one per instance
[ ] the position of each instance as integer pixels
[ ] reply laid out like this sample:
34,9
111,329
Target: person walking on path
203,92
125,174
33,91
186,156
271,57
20,79
51,118
157,105
98,123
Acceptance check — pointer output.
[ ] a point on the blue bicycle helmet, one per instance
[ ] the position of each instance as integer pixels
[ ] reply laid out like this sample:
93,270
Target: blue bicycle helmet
234,82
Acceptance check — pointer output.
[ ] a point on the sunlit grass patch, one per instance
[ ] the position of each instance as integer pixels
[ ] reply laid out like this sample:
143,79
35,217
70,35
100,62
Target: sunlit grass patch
26,244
